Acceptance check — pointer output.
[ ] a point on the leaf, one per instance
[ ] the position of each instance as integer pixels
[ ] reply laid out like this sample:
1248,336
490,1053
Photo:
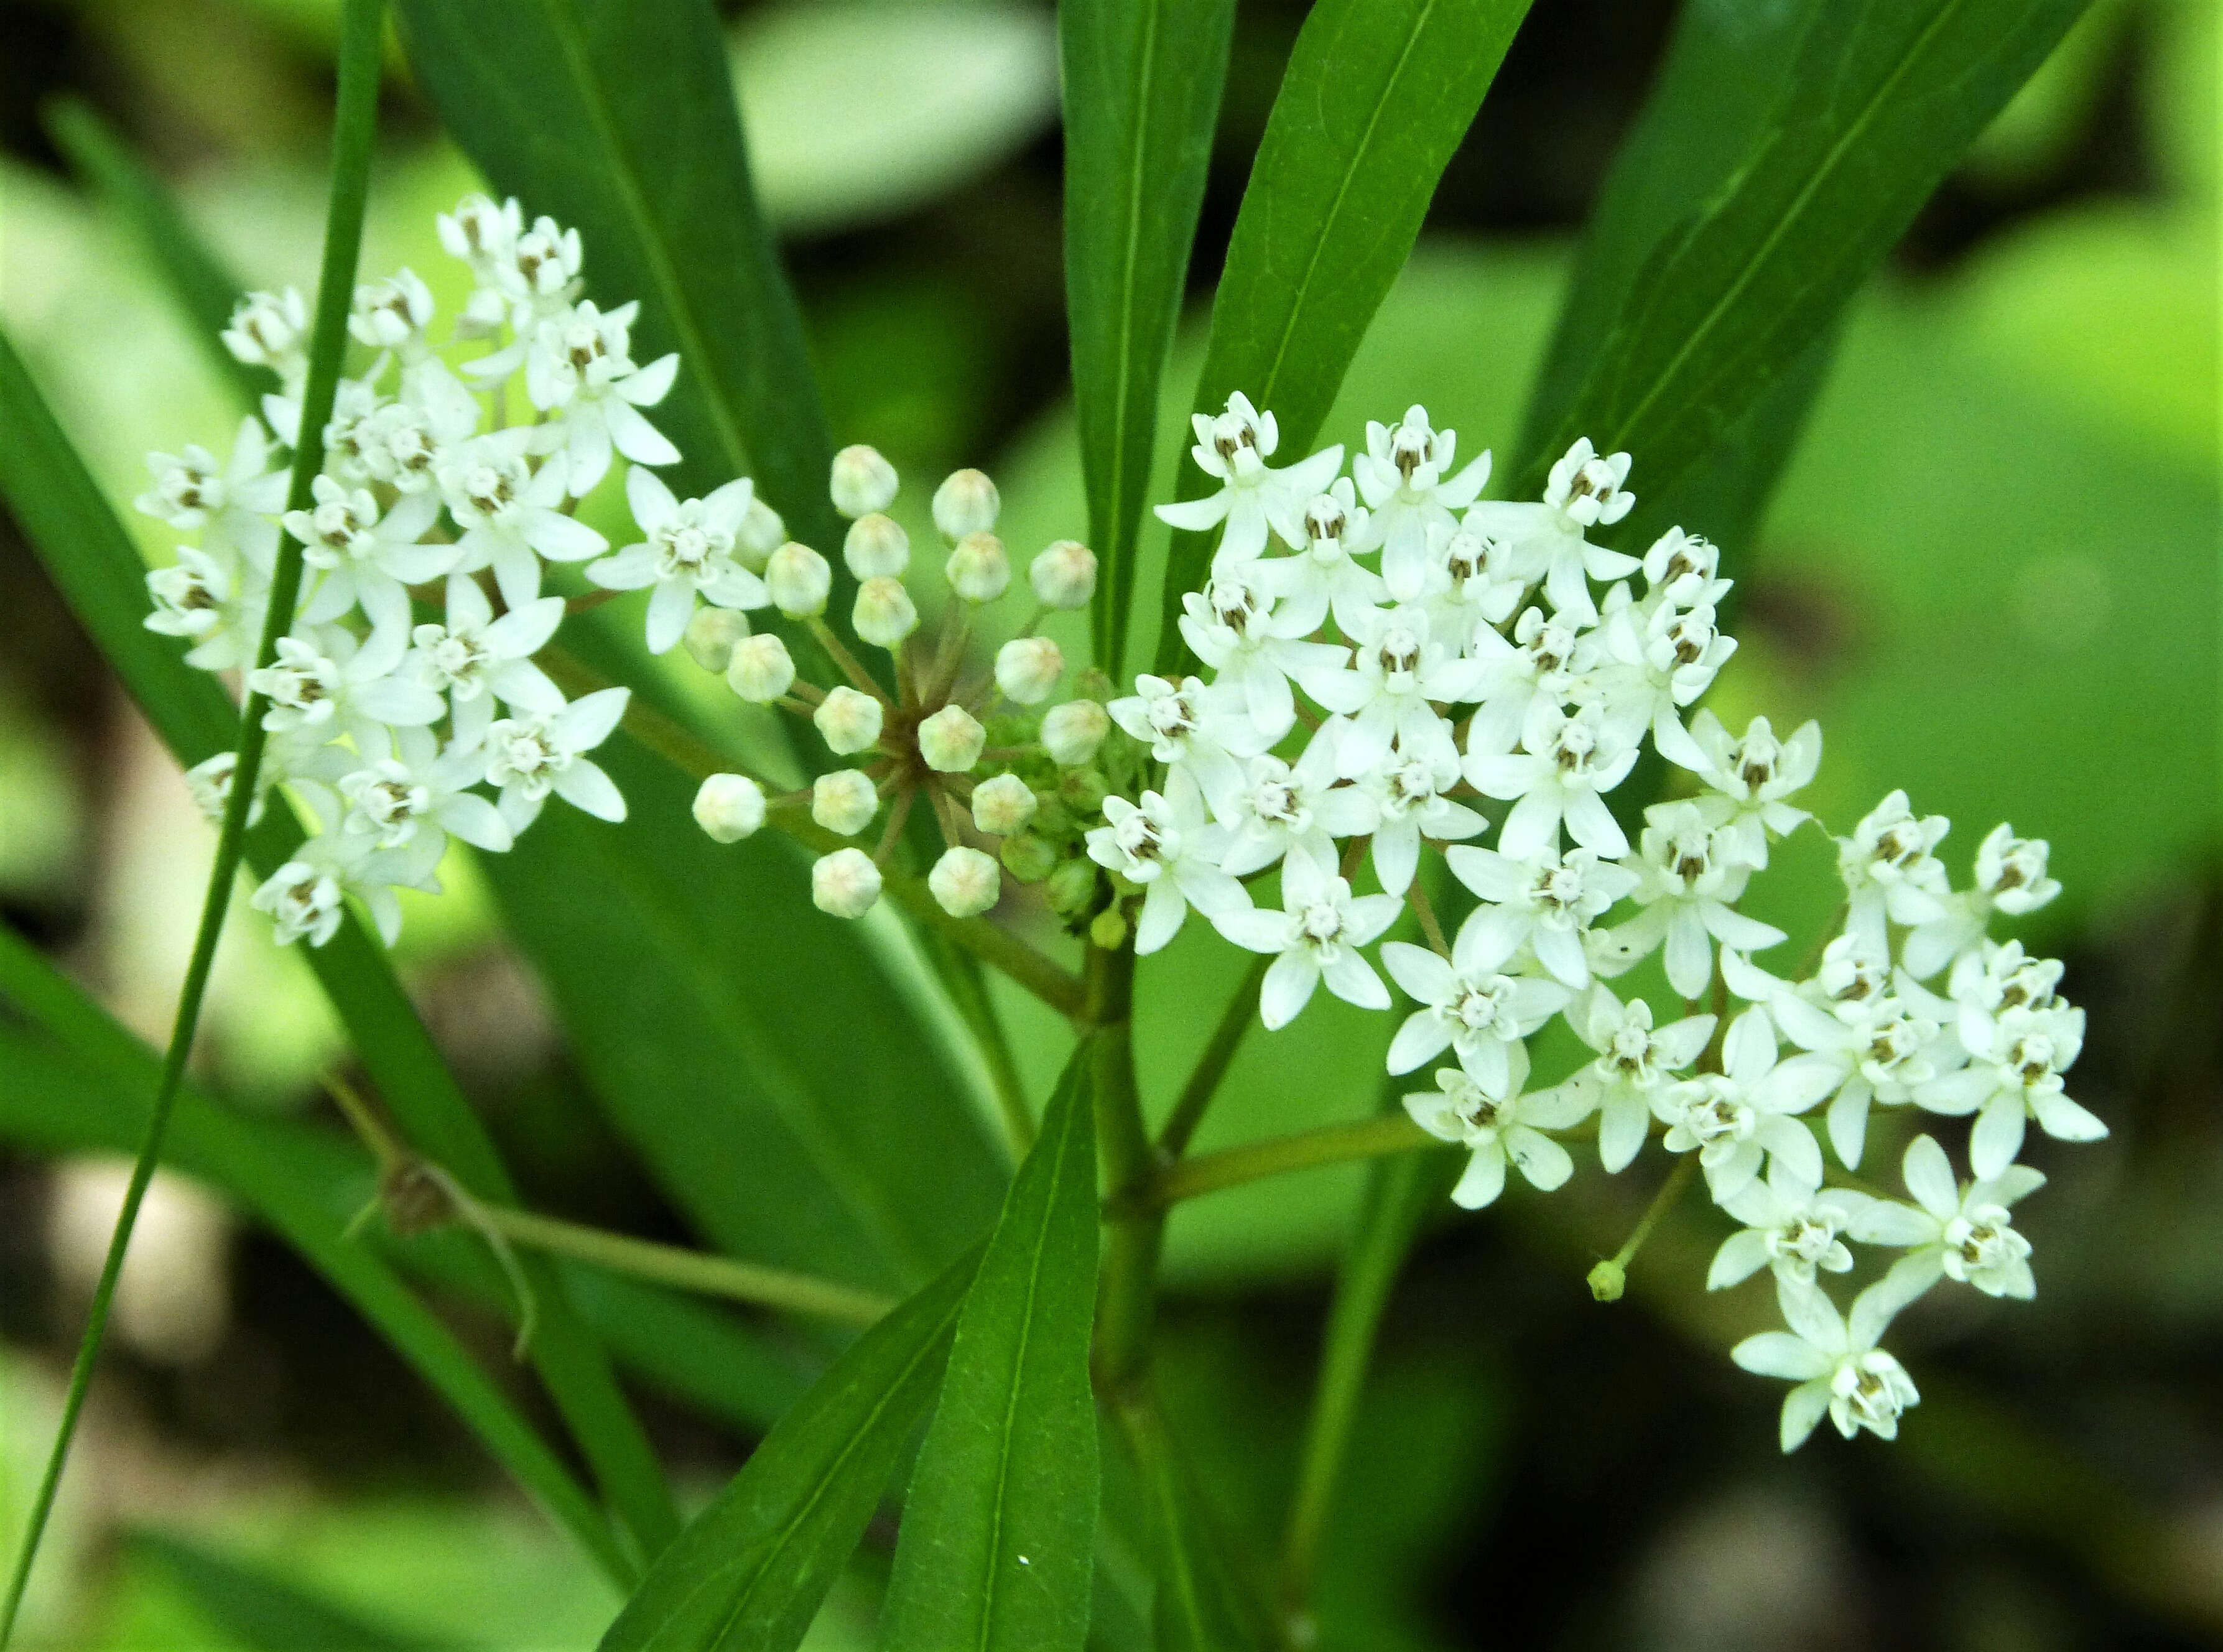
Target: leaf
791,1100
85,551
1811,145
752,1570
996,1548
262,1611
616,117
1143,83
1200,1604
1378,95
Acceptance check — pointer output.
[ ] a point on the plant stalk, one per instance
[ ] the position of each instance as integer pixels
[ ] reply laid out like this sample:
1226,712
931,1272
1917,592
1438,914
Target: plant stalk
1330,1144
1135,1221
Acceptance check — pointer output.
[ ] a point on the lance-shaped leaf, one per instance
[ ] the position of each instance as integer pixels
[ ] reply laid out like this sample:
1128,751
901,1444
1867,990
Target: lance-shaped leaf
616,117
1142,80
996,1544
1378,95
262,1611
753,1569
1781,159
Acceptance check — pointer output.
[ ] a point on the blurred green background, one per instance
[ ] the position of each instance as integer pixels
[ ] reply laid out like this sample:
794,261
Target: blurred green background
1991,572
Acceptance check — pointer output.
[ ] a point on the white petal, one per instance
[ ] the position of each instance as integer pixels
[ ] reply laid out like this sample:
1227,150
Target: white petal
583,785
1287,987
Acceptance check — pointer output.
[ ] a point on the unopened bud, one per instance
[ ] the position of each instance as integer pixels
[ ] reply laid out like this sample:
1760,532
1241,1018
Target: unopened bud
863,482
844,801
1026,857
1026,668
951,740
711,634
1083,792
1003,804
761,670
876,545
1108,929
965,882
978,569
1071,890
1071,732
845,883
1064,574
1608,1280
761,532
966,502
884,614
729,807
849,721
798,578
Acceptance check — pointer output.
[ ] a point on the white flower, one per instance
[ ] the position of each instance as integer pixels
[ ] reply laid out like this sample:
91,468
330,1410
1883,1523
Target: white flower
230,505
2011,878
528,757
1322,576
1662,658
1839,1370
481,234
306,896
1545,900
1186,725
1408,786
1399,669
475,659
1402,475
1993,979
302,899
1637,1064
1521,680
213,602
1281,804
689,554
1234,448
1963,1233
1498,1129
536,271
401,442
509,513
1687,888
1682,568
1317,936
581,367
1735,1117
414,798
393,314
1172,848
1567,764
329,684
1544,542
1232,625
1470,1001
1470,593
1749,781
1889,870
1789,1227
2013,1076
271,330
365,559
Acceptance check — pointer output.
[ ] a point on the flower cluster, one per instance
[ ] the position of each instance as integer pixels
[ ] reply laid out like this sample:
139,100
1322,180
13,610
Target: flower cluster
406,680
1391,663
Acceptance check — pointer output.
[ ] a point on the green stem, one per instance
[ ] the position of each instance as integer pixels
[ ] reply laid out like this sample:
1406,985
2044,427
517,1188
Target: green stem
1330,1144
355,122
1397,1195
1135,1221
1211,1066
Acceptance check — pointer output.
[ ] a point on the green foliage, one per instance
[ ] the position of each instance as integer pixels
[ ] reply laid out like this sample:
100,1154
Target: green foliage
1378,95
747,1575
263,1612
997,1538
1200,1604
1142,94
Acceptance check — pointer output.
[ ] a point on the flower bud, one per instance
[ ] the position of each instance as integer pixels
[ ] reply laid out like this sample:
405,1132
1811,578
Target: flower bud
1064,574
850,721
965,882
1107,931
711,634
798,578
863,482
1082,791
1608,1280
1026,668
761,532
950,741
978,569
1071,732
761,670
845,883
1003,804
876,545
729,807
884,614
1028,858
844,801
966,502
1072,888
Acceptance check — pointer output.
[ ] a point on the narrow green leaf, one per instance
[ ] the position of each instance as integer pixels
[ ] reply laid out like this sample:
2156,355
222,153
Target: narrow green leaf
996,1548
1376,97
262,1611
1143,81
204,290
1727,247
617,117
750,1573
93,563
1200,1604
